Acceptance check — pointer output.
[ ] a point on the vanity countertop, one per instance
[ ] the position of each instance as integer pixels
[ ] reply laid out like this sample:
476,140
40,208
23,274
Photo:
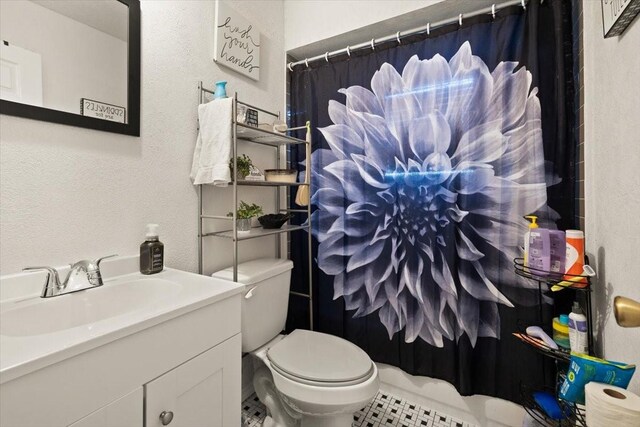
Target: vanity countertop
37,332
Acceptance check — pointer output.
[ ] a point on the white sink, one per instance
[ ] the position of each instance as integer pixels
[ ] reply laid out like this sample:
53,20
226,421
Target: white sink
36,332
46,315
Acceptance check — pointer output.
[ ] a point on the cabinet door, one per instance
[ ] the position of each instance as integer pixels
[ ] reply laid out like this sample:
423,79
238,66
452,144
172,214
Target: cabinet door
203,392
124,412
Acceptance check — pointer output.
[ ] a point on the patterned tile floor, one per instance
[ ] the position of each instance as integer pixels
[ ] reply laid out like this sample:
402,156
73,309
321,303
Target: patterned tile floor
384,410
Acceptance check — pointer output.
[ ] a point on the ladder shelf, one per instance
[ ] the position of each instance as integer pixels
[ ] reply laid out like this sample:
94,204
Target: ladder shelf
264,137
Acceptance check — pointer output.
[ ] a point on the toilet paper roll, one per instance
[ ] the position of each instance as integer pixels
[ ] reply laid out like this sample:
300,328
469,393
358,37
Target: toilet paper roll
608,405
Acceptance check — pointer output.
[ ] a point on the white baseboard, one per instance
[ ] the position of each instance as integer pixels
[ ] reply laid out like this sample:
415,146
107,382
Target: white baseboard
436,394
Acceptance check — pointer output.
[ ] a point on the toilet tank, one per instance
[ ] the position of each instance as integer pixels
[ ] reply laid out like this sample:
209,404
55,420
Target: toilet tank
265,298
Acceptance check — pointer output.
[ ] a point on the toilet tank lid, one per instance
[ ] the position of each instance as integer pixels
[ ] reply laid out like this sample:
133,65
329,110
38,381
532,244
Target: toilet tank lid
255,271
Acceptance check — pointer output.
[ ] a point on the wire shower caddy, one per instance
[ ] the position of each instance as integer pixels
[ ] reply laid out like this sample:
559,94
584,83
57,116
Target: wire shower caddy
573,414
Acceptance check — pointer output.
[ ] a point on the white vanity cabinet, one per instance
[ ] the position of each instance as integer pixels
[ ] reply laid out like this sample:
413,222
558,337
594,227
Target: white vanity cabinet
204,392
124,412
185,360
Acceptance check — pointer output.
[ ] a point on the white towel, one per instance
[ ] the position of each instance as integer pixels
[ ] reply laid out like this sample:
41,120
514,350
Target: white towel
213,147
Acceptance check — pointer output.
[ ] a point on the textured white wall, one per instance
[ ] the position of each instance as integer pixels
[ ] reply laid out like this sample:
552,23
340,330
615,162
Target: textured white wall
69,193
78,61
612,177
307,21
313,27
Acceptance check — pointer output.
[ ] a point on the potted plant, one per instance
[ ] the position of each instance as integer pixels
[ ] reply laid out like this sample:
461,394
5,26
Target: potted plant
244,214
244,166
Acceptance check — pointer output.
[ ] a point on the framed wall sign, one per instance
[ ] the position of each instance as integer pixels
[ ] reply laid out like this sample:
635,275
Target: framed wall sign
237,42
617,15
102,110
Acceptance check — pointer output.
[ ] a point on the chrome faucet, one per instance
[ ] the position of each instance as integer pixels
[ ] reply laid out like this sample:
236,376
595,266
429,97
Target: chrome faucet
84,274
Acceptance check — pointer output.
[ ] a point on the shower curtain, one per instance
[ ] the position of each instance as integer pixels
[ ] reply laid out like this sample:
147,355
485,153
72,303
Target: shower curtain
426,155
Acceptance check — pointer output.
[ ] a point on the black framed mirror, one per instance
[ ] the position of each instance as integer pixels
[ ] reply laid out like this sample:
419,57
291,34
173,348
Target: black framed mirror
74,63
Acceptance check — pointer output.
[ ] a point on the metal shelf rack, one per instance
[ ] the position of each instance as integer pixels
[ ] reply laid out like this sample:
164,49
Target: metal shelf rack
573,414
244,132
548,279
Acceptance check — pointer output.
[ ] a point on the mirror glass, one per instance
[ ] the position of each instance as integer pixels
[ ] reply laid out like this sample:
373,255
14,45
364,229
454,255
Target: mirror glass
66,55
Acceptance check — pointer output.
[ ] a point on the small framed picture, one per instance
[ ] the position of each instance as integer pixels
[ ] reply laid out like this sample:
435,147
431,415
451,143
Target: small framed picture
251,117
102,110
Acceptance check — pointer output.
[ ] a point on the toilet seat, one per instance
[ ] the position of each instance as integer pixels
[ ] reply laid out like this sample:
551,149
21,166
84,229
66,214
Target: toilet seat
321,383
321,360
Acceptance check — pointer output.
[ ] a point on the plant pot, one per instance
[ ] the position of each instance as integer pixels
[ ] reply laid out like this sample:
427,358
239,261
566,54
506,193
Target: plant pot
240,176
243,225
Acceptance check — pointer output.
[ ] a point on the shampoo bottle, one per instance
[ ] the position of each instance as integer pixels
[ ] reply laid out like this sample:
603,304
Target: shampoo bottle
533,224
151,252
578,330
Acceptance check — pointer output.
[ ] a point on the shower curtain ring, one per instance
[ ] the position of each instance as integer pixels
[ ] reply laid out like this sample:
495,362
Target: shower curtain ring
398,37
460,20
428,28
493,11
289,66
524,4
326,56
373,46
306,62
349,51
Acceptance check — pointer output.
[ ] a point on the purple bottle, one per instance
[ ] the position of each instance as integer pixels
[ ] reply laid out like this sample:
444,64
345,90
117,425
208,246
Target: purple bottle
558,251
539,251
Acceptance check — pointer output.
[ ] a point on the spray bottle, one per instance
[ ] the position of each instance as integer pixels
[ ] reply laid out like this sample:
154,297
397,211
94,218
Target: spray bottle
533,224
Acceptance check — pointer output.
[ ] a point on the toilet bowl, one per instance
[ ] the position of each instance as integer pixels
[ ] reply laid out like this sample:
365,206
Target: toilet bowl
320,379
306,378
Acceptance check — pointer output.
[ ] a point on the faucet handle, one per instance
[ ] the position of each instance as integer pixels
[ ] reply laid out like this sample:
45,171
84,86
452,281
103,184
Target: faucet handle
52,283
99,260
93,270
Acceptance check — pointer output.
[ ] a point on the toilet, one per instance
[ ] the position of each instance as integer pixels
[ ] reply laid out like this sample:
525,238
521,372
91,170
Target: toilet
306,378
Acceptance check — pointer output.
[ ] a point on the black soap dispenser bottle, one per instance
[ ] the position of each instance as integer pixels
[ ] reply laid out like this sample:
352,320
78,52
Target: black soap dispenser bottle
151,252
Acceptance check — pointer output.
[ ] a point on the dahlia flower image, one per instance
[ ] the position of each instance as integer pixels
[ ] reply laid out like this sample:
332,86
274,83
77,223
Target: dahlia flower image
420,196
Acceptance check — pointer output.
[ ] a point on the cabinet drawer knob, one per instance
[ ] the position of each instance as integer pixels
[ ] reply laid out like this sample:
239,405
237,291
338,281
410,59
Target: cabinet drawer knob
166,417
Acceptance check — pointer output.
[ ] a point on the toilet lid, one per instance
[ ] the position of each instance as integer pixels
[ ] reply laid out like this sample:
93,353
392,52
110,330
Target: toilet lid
318,357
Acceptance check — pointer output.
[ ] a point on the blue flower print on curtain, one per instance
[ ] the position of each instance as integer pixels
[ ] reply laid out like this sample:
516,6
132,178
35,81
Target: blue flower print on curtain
421,195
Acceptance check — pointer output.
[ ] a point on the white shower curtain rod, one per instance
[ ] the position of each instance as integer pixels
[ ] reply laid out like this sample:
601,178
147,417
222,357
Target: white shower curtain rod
492,10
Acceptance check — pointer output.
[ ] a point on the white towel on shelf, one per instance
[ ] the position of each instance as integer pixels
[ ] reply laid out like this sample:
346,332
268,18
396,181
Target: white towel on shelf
213,147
